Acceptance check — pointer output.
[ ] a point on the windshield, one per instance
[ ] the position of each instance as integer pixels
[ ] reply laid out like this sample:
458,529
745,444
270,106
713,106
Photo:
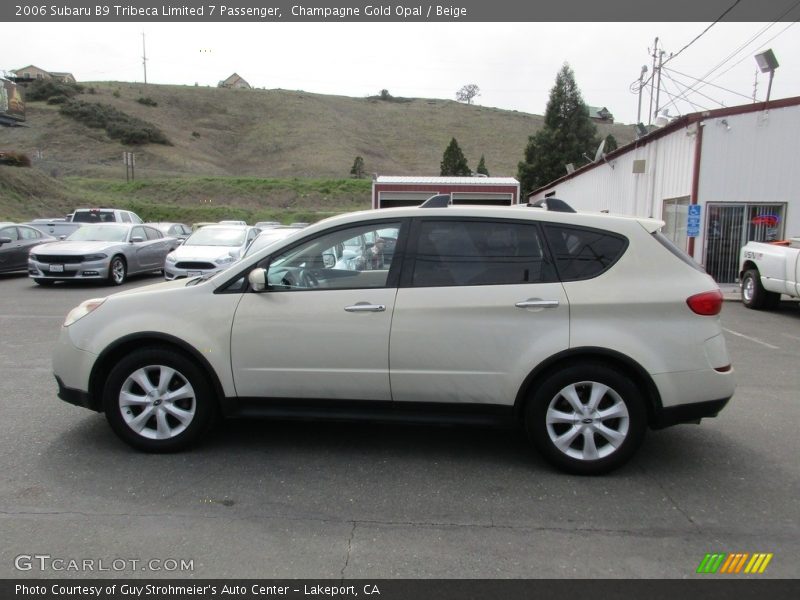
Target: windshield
100,233
217,236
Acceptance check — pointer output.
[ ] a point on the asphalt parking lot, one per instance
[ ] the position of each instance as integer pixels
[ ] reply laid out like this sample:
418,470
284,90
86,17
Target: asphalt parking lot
304,500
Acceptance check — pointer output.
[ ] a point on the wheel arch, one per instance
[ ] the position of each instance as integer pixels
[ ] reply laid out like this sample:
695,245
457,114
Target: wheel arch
111,355
747,266
636,372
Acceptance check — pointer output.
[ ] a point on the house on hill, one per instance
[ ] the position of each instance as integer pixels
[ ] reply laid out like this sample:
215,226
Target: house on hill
32,72
600,114
234,82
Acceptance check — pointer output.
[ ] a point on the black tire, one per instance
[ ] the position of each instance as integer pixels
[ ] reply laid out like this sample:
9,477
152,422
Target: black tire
753,293
195,406
117,271
43,282
626,418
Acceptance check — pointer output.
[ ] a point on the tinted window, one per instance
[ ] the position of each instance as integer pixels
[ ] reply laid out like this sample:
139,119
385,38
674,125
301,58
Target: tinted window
152,234
94,216
138,232
583,253
480,253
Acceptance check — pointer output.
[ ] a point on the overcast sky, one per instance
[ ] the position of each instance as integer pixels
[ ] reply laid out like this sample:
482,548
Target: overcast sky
514,64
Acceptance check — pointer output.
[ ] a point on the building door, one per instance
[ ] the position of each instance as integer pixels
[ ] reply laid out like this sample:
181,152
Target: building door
731,226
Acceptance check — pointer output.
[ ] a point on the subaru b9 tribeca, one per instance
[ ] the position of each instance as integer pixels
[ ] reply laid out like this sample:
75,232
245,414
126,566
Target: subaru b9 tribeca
583,329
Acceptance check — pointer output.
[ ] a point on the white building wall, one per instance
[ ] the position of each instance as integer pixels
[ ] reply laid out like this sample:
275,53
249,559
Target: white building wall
614,186
754,159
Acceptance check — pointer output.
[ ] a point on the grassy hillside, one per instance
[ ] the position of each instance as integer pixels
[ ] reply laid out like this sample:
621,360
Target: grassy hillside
267,153
276,133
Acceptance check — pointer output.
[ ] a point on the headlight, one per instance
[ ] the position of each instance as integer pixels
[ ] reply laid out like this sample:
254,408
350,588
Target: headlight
226,260
171,257
83,309
95,257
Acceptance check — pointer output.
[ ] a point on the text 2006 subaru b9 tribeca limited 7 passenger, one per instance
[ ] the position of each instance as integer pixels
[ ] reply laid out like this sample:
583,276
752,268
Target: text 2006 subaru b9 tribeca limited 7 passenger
584,329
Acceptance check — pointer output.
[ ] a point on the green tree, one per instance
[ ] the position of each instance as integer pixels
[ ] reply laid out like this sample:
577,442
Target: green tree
611,144
453,161
567,135
357,169
482,167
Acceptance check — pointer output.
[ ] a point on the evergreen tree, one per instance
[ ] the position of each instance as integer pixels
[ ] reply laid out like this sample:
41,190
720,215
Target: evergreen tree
357,170
567,134
453,161
482,167
611,144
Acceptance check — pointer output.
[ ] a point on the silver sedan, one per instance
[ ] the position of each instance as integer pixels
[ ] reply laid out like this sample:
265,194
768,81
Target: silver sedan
107,251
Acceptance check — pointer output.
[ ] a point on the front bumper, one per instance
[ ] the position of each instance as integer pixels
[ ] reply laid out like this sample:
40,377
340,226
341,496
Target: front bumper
72,368
172,272
76,397
85,270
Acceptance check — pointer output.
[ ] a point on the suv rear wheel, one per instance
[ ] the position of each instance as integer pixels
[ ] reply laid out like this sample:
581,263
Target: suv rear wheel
586,419
158,400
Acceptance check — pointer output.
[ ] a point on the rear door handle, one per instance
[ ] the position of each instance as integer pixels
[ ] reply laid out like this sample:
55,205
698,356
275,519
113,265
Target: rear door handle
537,303
365,307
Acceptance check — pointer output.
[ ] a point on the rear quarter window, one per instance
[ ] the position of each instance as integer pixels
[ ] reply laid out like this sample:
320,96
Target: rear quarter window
582,252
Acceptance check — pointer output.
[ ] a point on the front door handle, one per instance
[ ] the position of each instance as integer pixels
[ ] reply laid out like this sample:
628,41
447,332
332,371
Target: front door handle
365,307
537,303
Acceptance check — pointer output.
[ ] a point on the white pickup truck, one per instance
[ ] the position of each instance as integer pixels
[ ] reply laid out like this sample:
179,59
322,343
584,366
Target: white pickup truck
769,270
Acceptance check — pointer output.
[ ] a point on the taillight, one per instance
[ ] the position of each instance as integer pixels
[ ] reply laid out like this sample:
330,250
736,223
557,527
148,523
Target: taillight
706,304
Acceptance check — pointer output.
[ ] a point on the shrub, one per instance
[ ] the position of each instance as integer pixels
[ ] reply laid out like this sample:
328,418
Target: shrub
15,159
119,125
44,89
195,134
148,101
61,99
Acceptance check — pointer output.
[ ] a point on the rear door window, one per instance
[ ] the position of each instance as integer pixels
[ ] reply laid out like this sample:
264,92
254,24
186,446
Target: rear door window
463,253
583,253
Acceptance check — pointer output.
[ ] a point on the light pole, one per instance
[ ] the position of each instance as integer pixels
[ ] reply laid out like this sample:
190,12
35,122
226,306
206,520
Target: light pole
767,63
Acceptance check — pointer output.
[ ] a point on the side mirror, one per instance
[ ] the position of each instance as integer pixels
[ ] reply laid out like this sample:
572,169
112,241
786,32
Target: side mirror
61,238
5,240
233,253
137,239
258,280
329,260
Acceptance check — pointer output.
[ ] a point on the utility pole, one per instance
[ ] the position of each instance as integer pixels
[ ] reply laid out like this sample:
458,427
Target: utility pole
658,84
641,85
144,59
653,82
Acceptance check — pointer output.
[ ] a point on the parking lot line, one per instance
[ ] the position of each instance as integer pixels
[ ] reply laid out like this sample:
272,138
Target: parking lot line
752,339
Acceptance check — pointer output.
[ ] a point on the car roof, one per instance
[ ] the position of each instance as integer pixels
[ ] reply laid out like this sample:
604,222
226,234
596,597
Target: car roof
586,219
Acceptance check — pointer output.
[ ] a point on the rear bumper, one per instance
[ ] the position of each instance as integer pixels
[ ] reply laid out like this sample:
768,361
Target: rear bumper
688,413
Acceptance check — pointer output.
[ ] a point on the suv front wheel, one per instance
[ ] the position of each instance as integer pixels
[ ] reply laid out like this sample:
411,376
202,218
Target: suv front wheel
586,419
158,400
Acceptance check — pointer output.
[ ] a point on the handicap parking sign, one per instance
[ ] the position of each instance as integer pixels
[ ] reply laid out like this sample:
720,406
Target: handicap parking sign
693,220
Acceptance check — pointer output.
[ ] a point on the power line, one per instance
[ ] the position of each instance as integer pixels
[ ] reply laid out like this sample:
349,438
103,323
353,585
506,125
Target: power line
762,45
696,92
709,83
719,18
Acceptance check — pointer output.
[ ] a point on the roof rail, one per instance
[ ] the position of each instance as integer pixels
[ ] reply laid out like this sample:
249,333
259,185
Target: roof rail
552,204
438,201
